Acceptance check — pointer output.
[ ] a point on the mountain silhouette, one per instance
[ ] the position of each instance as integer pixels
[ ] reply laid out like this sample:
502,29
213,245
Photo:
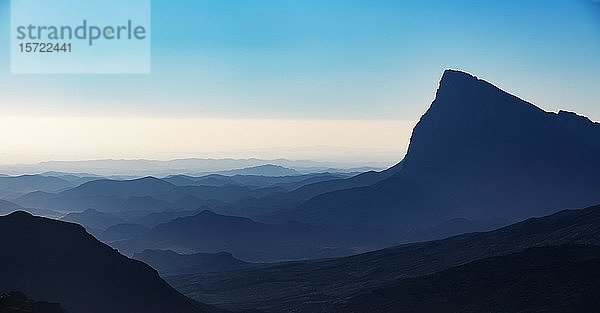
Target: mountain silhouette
500,154
8,207
145,194
361,180
28,183
59,262
255,181
122,232
262,170
154,219
146,186
477,153
138,168
253,241
93,219
318,284
168,262
266,208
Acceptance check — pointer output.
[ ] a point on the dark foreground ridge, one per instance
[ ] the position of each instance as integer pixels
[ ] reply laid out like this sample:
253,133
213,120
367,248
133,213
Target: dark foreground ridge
59,262
552,280
316,285
17,302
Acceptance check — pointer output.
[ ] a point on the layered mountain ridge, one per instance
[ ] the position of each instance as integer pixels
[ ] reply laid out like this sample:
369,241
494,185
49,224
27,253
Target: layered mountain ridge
312,286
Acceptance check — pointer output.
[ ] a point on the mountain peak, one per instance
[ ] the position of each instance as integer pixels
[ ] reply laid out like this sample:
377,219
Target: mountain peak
149,179
463,95
20,215
207,212
454,81
477,140
456,75
455,85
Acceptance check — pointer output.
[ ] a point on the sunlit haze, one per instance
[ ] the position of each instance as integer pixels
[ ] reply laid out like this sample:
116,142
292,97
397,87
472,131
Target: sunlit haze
79,138
279,78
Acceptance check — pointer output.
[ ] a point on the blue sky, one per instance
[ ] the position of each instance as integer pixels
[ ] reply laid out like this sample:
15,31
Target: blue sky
334,59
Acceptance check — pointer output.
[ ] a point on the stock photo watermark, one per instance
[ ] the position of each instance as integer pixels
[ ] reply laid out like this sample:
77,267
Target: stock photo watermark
72,36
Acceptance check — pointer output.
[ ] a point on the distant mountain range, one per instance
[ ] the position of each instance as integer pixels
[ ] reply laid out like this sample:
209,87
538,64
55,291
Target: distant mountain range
145,194
96,220
254,241
151,194
194,231
59,262
377,279
256,181
124,169
7,207
93,219
122,231
477,153
262,170
13,186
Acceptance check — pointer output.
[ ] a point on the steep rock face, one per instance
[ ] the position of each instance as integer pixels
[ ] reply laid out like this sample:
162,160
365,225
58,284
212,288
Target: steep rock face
477,153
59,262
499,155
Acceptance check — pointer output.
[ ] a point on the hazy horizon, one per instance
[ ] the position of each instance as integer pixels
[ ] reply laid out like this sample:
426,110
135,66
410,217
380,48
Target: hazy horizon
77,138
239,79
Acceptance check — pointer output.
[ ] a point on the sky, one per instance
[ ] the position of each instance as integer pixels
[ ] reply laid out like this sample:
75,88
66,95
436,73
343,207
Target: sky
281,78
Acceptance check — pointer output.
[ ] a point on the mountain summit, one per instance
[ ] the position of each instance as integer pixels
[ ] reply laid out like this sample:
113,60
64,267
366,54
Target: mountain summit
478,152
500,154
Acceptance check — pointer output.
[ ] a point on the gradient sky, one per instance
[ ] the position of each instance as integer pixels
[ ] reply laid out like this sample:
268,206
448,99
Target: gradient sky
300,74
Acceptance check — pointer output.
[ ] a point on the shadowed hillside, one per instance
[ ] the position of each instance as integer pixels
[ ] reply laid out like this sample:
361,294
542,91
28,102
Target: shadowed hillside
552,280
312,286
17,302
60,262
